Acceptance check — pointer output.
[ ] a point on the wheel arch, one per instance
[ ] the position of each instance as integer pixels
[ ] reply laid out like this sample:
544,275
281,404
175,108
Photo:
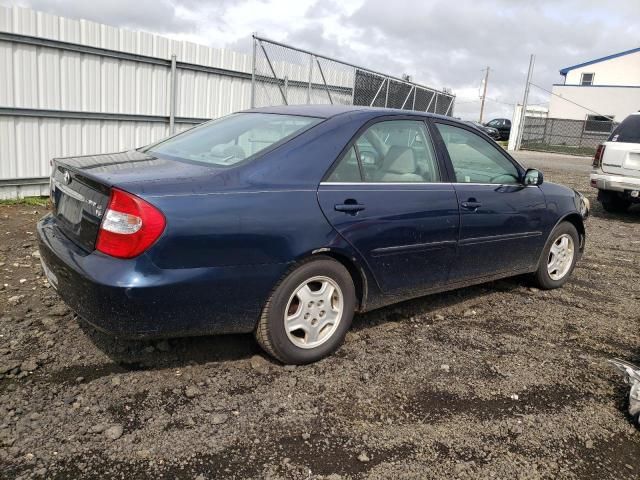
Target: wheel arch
357,273
576,220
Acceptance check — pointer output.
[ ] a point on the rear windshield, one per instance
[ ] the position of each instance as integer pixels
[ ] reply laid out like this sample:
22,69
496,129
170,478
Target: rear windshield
628,131
232,139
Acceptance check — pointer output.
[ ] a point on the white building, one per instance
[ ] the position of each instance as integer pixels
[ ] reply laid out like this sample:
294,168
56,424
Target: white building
608,86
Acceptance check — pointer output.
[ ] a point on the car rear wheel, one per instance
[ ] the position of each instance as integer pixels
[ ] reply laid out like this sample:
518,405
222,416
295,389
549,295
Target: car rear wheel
613,202
558,257
308,313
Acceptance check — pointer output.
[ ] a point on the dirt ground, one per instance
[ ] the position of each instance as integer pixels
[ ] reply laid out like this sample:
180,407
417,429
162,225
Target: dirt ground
495,381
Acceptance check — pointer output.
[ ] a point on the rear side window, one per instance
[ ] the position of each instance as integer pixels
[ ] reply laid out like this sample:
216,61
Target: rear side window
347,170
628,131
232,139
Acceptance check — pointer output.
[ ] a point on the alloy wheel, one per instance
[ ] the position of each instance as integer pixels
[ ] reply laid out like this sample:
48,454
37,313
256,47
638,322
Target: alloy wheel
560,257
313,312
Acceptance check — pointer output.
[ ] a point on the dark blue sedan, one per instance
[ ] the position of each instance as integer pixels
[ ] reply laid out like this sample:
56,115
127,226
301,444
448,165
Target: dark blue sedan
284,221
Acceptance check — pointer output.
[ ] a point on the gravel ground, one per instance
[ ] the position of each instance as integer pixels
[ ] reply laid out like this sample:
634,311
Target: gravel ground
496,381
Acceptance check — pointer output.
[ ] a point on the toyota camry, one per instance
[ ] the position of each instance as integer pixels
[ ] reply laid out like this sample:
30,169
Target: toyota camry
285,221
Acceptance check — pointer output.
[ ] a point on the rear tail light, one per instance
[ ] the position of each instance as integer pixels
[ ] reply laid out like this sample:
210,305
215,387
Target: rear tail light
597,159
129,226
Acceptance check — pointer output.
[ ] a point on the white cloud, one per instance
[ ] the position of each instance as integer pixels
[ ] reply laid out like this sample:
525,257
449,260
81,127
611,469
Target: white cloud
441,43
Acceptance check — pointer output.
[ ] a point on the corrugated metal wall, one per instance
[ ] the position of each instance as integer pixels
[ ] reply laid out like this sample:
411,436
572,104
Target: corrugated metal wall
72,87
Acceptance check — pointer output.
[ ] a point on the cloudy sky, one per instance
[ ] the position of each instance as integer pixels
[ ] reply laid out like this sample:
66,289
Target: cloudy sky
440,43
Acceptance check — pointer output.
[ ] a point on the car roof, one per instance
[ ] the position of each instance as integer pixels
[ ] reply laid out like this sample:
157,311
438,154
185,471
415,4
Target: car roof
328,111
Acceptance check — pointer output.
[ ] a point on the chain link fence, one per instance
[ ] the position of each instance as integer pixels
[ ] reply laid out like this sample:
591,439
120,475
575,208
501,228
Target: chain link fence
559,135
284,75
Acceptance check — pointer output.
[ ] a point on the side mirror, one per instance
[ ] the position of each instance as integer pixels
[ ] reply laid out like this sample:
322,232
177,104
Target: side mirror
533,177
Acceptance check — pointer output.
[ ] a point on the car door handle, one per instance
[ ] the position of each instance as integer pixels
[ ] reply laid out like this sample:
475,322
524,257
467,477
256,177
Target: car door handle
471,205
351,208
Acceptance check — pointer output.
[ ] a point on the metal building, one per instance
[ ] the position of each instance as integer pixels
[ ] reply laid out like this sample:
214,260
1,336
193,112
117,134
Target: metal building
75,87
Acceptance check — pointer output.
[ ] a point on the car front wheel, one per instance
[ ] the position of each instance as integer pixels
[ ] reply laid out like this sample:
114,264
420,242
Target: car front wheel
309,312
558,257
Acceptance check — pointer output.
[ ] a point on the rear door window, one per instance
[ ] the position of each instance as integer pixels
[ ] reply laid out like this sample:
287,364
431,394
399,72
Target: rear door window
628,131
394,151
397,151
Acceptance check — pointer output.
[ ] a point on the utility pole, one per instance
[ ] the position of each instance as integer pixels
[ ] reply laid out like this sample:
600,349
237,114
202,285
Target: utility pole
525,99
484,93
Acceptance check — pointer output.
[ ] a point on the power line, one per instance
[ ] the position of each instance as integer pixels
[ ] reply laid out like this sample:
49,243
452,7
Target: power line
501,101
495,100
571,101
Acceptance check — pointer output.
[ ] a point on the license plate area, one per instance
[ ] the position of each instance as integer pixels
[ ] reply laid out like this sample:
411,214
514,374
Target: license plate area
78,208
69,206
632,162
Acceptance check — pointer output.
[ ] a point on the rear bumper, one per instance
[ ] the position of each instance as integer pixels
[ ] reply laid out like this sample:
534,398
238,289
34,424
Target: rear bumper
134,298
617,183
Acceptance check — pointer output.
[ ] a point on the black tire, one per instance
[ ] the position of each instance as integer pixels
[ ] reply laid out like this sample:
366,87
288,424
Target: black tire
542,277
612,202
271,333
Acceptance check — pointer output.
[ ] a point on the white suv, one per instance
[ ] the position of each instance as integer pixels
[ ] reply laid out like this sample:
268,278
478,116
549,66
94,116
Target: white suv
616,167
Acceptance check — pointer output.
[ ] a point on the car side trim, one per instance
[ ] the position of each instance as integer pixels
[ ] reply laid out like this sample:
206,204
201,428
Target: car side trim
230,192
426,183
383,183
499,238
415,247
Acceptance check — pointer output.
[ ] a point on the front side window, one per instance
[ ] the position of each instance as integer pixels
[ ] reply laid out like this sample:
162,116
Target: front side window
389,152
232,139
474,159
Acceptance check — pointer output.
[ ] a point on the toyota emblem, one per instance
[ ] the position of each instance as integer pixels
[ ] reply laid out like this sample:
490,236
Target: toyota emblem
67,178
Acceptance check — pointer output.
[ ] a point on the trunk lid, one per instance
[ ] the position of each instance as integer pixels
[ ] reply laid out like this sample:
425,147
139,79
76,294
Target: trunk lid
81,187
